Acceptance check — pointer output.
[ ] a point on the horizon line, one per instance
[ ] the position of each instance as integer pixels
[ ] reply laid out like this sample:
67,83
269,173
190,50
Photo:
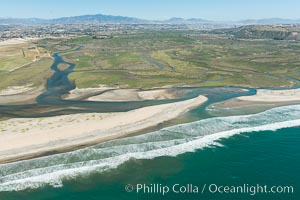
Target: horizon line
161,19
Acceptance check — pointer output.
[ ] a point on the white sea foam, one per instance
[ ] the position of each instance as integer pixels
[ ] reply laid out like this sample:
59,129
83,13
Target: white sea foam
172,141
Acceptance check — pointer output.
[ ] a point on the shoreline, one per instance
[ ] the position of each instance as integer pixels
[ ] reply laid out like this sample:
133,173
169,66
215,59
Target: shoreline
263,96
273,96
69,132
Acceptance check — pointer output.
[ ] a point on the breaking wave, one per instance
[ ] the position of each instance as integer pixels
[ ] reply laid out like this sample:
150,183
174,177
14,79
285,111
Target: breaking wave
171,141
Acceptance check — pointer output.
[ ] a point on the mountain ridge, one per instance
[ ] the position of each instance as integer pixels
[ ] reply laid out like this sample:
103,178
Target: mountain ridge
101,18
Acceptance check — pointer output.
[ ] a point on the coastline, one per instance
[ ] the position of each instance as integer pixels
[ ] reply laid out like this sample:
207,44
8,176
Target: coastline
63,133
273,96
263,96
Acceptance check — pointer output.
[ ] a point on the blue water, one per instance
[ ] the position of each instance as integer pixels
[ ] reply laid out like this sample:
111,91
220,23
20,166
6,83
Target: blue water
266,158
254,149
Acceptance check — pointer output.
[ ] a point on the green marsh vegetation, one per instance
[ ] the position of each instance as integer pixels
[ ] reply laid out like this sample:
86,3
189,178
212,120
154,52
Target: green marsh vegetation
178,58
23,64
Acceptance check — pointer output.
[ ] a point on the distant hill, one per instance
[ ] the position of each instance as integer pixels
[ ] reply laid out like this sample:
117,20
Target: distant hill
276,32
269,21
99,18
23,21
176,20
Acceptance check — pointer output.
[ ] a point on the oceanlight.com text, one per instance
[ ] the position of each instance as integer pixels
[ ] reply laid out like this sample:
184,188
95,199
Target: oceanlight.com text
176,188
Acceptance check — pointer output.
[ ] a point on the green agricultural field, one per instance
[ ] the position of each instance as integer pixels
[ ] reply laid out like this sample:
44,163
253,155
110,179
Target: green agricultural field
179,58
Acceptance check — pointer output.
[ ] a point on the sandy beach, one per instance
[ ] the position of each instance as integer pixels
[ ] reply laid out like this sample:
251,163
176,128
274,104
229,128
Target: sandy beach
84,93
104,93
30,137
18,94
273,96
264,96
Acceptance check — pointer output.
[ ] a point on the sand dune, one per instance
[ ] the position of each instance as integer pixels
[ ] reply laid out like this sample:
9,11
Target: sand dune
263,96
22,138
273,96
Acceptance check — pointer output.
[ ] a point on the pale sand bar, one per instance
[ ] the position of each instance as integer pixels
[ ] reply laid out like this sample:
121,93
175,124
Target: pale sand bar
273,96
20,94
104,93
25,138
263,96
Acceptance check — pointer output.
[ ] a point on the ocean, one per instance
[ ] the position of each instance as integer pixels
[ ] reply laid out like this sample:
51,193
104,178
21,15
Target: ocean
235,151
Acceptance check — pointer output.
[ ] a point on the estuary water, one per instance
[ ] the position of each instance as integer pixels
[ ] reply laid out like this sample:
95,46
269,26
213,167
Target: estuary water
50,102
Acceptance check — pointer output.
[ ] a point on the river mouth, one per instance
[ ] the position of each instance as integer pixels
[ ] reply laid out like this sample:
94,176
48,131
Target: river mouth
190,133
50,102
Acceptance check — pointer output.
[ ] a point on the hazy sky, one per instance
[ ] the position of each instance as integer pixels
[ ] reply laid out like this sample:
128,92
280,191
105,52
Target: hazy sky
153,9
